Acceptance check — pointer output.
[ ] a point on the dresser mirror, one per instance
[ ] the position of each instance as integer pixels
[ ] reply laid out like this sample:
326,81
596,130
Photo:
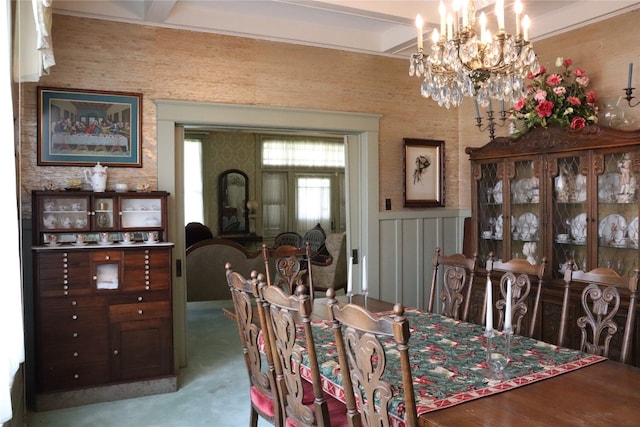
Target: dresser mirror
233,185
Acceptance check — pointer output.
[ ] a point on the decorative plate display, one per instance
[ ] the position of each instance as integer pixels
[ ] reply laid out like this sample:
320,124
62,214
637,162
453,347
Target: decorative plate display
527,225
499,226
608,187
579,227
612,228
632,231
497,192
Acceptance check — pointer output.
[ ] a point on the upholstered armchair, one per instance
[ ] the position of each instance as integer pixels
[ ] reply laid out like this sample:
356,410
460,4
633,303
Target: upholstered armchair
333,272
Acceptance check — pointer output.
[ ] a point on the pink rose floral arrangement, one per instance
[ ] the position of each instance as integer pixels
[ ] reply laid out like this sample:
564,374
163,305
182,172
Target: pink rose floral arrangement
559,98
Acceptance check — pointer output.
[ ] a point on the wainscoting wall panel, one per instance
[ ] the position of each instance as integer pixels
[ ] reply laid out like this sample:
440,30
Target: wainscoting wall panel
407,244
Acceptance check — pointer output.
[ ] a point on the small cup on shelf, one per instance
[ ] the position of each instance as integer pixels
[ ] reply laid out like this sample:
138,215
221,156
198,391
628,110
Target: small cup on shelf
152,237
563,237
121,187
486,234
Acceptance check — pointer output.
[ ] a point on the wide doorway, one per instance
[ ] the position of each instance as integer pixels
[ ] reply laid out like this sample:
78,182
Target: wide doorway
361,132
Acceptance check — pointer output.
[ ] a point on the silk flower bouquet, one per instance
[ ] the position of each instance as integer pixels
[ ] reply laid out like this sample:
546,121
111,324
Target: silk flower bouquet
559,98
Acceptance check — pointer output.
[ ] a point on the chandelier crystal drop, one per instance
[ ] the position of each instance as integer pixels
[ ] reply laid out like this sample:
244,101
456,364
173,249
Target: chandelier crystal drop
465,63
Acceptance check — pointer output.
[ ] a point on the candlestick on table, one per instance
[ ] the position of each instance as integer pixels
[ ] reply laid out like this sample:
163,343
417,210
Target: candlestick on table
507,308
507,323
350,279
364,274
489,297
630,74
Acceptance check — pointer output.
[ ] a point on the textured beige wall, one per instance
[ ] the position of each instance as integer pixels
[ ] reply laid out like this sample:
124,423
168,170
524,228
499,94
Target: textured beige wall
182,65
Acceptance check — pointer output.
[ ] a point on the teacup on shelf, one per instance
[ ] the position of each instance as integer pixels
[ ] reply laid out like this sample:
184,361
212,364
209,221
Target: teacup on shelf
562,237
486,234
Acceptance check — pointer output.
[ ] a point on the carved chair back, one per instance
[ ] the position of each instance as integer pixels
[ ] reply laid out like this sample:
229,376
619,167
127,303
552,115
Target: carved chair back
291,265
518,273
285,314
458,273
600,300
265,401
359,337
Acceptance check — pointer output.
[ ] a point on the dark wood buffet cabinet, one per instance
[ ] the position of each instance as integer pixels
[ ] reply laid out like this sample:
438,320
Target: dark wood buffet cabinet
562,195
102,291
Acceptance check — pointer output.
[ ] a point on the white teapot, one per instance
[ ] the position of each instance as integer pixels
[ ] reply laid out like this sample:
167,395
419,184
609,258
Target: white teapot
50,221
97,179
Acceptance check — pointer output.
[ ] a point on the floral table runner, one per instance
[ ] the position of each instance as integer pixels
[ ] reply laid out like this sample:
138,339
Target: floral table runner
448,360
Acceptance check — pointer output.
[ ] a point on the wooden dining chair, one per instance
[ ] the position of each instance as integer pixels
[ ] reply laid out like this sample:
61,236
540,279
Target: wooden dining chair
524,305
265,401
288,267
600,300
361,340
305,404
458,274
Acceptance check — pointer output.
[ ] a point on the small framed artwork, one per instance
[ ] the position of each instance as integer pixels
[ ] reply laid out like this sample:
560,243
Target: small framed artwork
82,127
423,173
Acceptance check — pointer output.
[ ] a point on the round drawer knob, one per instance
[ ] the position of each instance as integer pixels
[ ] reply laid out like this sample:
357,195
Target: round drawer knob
116,352
65,287
75,354
76,376
95,277
74,302
147,287
66,292
107,257
74,317
74,335
140,298
139,311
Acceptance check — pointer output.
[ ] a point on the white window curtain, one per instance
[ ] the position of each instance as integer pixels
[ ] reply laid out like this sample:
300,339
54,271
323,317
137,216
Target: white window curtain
11,321
274,203
33,48
303,152
193,197
313,203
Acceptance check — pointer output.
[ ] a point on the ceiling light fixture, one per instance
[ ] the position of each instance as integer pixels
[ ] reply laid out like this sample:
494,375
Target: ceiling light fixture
464,63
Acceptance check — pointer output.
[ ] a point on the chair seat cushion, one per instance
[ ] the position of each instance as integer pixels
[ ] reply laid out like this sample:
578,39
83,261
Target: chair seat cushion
261,402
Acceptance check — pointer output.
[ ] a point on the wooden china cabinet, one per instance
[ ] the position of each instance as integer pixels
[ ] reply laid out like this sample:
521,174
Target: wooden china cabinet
102,302
564,195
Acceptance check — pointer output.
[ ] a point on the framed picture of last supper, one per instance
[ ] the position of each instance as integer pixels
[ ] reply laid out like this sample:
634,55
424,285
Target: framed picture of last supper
82,127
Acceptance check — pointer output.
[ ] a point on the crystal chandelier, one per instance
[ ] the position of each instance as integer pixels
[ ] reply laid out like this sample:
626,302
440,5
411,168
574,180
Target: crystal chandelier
463,63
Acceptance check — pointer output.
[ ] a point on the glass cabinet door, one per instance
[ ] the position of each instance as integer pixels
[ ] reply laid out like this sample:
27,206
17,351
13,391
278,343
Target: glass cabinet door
617,214
62,216
141,212
524,224
490,197
103,210
569,213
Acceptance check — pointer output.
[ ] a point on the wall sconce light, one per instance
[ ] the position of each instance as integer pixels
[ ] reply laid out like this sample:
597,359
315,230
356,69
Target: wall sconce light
491,125
629,90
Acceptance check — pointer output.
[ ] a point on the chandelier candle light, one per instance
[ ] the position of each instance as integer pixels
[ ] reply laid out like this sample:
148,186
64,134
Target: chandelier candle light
465,63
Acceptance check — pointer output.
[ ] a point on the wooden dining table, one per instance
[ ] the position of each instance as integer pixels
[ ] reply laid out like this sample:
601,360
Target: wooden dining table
606,393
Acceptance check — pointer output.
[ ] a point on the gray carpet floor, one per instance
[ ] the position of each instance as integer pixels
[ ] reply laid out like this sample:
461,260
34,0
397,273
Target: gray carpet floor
213,388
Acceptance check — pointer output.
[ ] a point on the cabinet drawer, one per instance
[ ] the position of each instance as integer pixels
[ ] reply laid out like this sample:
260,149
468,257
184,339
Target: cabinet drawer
148,269
63,273
56,376
141,311
91,348
140,297
113,255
